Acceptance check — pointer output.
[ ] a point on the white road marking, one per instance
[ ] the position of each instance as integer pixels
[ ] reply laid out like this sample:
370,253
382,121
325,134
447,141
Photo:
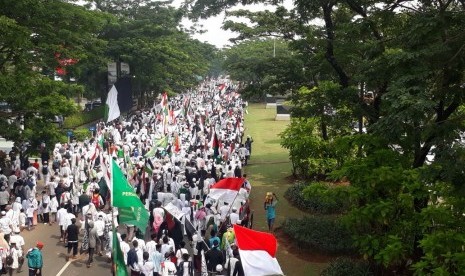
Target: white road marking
63,268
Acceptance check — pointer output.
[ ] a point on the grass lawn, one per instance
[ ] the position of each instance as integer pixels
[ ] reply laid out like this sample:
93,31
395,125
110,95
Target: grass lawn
269,170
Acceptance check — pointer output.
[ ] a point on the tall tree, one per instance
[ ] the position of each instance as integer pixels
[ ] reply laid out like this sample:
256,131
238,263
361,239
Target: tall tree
36,38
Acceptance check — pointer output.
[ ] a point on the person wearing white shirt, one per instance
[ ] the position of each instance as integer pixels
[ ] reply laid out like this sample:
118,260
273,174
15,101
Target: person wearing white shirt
165,246
151,246
146,267
61,219
234,216
224,210
5,223
53,209
124,247
18,242
99,225
180,252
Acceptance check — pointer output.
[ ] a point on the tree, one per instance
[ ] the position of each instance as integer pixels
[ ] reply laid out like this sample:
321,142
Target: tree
264,67
410,57
36,38
161,56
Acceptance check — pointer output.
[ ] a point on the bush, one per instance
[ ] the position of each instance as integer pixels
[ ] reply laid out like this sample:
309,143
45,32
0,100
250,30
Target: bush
81,118
345,266
82,133
317,197
321,233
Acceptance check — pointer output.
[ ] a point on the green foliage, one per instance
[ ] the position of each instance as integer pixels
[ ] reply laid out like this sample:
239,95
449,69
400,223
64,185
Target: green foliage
319,197
384,222
320,233
311,155
343,266
81,118
397,69
264,67
82,134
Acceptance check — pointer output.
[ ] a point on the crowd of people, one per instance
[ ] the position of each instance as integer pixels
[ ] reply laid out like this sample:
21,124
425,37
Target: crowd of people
171,154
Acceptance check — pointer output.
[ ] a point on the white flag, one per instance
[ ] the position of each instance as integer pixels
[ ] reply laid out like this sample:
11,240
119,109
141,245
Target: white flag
112,111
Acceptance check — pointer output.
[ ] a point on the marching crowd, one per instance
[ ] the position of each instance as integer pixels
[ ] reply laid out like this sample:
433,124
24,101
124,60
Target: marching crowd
172,155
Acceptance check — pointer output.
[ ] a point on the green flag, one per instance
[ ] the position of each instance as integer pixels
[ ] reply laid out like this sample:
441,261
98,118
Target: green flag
124,197
118,259
158,143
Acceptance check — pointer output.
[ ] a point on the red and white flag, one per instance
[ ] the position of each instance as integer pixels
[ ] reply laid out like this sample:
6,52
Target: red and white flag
226,189
257,251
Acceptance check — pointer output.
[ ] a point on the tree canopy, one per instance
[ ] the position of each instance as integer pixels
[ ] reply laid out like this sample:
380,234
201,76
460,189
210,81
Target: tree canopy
40,40
383,89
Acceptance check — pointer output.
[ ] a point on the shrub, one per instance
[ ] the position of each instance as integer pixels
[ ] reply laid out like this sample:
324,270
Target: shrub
82,133
345,266
319,197
81,118
321,233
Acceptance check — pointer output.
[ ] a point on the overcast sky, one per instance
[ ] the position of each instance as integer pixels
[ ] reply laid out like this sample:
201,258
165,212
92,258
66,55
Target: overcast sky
214,34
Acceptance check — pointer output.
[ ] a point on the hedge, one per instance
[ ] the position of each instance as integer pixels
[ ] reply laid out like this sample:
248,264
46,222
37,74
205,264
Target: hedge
345,266
320,233
320,198
81,118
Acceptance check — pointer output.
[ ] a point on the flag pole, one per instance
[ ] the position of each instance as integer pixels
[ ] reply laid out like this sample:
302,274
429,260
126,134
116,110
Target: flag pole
197,232
113,228
229,211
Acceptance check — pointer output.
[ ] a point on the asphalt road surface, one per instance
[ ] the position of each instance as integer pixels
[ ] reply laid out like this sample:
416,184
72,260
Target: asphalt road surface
54,255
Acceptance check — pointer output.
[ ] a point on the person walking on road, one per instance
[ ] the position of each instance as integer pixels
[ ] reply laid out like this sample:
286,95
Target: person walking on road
71,236
92,242
35,260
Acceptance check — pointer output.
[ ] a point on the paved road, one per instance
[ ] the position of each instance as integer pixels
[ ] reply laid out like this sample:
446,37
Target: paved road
54,255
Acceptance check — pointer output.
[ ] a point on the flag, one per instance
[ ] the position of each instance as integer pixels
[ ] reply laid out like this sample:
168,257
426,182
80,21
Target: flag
157,143
162,142
177,144
148,170
203,266
118,259
112,109
216,146
221,86
125,197
106,172
226,189
257,251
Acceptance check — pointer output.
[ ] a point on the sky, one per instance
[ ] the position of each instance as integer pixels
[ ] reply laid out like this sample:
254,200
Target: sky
214,34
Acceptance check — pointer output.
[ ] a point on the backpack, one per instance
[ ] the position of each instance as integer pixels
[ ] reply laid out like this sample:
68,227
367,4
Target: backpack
45,170
181,268
56,165
9,259
30,183
96,201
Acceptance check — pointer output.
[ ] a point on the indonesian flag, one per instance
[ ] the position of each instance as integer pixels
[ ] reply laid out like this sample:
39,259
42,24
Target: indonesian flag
226,189
221,87
257,251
